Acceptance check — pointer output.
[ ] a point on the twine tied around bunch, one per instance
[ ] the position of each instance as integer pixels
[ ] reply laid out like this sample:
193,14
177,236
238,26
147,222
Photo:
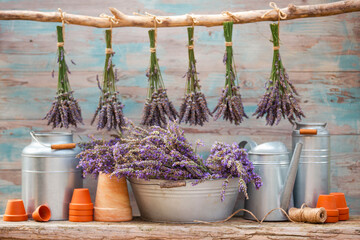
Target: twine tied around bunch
228,44
231,15
281,15
63,21
112,21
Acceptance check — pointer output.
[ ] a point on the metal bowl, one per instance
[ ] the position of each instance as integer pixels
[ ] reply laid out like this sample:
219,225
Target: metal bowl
184,204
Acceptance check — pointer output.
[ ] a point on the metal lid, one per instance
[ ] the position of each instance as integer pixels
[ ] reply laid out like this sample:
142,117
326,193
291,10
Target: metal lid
270,148
319,127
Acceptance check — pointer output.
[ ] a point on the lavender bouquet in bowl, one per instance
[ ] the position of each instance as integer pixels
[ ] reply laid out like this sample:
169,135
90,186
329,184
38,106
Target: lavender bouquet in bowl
166,154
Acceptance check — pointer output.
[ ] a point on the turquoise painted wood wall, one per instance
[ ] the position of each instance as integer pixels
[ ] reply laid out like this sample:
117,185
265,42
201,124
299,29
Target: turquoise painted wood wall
322,57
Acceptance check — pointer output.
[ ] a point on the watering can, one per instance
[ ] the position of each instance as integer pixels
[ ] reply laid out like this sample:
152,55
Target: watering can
271,161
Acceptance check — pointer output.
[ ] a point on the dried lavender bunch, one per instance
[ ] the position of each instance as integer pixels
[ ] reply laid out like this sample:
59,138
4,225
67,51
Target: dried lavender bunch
279,100
232,161
157,105
194,109
65,110
96,156
230,104
158,153
109,110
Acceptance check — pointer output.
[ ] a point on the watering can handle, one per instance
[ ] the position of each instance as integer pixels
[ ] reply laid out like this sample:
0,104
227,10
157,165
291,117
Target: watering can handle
250,143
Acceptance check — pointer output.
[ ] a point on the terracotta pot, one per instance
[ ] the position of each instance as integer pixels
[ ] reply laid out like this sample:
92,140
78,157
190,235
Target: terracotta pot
112,202
81,200
81,218
15,211
329,203
81,212
42,213
341,205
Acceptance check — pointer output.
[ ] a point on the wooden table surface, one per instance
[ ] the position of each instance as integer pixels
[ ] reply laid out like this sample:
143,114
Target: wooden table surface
236,228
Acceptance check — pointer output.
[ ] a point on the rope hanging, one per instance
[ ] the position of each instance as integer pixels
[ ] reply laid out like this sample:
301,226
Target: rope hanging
112,20
63,21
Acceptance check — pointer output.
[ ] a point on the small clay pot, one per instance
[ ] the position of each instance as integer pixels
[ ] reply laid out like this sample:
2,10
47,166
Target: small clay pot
81,200
15,211
329,203
81,212
341,205
42,213
81,218
112,203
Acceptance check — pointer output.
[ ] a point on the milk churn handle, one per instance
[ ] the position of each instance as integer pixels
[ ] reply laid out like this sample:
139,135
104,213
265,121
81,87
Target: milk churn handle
54,146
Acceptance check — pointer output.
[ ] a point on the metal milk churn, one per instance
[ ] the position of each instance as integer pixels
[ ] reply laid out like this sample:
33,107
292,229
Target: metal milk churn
49,173
313,173
271,161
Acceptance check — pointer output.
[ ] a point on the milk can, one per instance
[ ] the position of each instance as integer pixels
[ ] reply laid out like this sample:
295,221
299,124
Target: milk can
313,172
49,173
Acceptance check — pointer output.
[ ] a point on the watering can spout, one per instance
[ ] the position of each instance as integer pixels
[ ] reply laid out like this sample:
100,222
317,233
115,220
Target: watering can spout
291,176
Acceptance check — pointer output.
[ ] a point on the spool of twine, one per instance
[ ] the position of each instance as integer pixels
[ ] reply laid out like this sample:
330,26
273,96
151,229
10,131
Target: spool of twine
310,215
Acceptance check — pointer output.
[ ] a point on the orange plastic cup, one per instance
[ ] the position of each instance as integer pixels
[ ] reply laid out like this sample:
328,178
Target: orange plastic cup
341,205
329,203
42,213
15,211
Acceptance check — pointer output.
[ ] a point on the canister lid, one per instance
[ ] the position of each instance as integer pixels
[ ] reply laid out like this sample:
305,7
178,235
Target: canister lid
270,148
319,129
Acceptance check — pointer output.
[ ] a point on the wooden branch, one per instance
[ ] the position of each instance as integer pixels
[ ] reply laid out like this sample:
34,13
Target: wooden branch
292,11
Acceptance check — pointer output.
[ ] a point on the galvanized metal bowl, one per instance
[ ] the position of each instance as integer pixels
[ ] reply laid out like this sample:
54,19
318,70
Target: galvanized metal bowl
184,204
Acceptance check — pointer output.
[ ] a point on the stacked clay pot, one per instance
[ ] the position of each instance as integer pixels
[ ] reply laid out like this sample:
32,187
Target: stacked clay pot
341,205
81,209
329,203
15,211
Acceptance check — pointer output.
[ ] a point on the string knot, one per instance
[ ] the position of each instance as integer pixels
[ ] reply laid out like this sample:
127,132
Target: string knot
281,13
60,44
276,47
152,50
63,21
191,47
228,44
111,19
231,15
193,19
109,51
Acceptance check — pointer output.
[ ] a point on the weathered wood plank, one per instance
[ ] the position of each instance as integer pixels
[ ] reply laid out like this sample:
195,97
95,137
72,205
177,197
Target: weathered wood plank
236,228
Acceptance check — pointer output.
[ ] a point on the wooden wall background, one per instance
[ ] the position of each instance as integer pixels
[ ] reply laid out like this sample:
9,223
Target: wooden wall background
322,56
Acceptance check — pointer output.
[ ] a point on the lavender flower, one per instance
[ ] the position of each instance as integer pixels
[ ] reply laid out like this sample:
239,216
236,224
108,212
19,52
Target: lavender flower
109,110
65,110
230,105
279,100
157,106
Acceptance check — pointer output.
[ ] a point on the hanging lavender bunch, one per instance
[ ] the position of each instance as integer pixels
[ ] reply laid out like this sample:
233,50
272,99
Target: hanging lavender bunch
110,108
157,105
230,105
232,161
194,109
279,100
65,110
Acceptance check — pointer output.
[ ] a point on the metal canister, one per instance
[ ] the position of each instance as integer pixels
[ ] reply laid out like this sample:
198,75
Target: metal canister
313,173
49,176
